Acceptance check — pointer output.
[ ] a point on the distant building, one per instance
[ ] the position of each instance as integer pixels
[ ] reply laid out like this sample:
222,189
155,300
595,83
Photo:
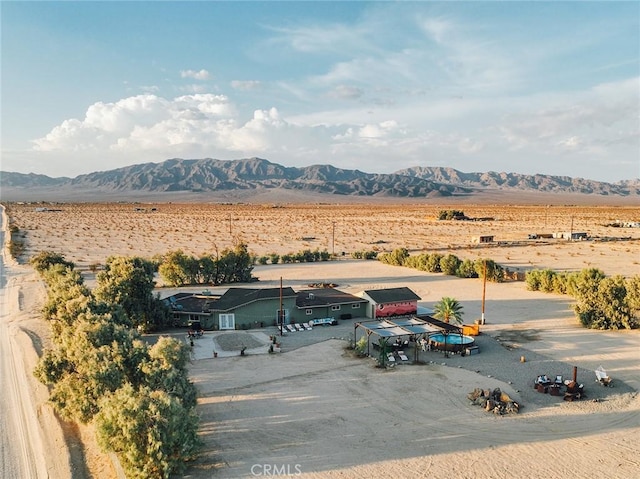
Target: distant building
570,235
483,239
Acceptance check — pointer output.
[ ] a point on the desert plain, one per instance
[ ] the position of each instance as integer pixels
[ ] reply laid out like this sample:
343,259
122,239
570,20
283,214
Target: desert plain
317,411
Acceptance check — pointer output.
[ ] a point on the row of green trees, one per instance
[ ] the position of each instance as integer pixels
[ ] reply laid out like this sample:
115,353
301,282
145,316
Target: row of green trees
99,370
448,264
231,266
601,302
304,256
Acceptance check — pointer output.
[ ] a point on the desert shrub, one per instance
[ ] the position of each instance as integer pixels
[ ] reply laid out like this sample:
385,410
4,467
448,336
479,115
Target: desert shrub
450,214
263,260
449,264
151,431
364,254
275,258
433,263
45,259
128,282
396,258
495,272
361,346
467,269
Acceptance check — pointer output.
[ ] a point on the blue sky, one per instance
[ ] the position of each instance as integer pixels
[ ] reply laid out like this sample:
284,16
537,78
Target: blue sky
527,87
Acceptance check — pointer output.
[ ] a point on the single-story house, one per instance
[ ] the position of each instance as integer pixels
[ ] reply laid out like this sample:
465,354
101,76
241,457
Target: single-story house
483,239
389,302
571,235
327,302
237,308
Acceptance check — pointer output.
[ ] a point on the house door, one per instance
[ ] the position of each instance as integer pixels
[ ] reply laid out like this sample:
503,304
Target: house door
279,315
227,321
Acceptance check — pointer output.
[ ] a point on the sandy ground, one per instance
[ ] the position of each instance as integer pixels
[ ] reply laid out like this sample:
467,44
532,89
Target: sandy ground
316,411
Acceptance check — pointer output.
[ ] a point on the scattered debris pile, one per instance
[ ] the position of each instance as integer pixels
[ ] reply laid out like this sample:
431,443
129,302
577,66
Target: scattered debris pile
493,401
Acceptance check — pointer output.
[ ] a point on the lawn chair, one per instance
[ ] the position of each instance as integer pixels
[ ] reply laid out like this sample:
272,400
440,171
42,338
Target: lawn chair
403,356
602,377
290,328
298,327
307,326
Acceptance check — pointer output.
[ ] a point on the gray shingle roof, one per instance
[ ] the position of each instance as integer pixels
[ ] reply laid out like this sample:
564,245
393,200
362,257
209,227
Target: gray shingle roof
235,297
391,295
325,297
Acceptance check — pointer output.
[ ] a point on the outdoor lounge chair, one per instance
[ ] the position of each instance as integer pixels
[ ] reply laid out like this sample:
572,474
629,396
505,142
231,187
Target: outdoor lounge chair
391,358
558,380
602,377
298,327
403,356
290,328
307,326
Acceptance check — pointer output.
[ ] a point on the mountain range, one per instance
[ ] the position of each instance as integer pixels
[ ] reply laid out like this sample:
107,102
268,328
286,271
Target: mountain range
256,174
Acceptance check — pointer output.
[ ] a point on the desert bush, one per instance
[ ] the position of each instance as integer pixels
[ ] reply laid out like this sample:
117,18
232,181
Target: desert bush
263,260
396,258
467,269
433,263
151,431
450,214
495,272
128,282
449,264
275,258
361,346
45,259
364,254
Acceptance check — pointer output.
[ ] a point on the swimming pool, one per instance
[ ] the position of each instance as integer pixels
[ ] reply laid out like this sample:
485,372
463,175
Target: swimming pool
450,342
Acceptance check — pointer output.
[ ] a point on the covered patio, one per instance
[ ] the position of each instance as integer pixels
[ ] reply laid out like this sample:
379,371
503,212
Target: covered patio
403,331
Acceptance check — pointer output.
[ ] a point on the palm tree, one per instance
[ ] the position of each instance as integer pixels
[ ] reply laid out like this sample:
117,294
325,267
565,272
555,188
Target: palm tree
447,309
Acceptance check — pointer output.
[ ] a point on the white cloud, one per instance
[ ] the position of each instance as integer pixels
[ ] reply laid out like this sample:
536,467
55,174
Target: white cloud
196,75
246,85
346,92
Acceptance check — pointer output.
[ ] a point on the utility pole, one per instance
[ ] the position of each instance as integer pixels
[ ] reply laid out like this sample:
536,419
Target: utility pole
484,289
230,233
333,239
281,313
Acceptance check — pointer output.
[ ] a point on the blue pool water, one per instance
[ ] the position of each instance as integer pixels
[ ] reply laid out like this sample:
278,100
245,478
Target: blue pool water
452,339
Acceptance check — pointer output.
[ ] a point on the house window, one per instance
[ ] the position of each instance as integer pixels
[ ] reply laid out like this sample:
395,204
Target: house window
309,312
335,307
355,306
227,321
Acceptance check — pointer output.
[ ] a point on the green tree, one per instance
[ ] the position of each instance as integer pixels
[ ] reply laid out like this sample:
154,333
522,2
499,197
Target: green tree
586,294
467,269
448,309
174,269
433,263
449,264
396,258
91,359
151,432
633,296
128,282
495,272
45,259
166,369
235,265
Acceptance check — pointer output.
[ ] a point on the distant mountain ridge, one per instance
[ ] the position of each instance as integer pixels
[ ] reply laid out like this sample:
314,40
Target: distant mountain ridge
208,175
516,181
